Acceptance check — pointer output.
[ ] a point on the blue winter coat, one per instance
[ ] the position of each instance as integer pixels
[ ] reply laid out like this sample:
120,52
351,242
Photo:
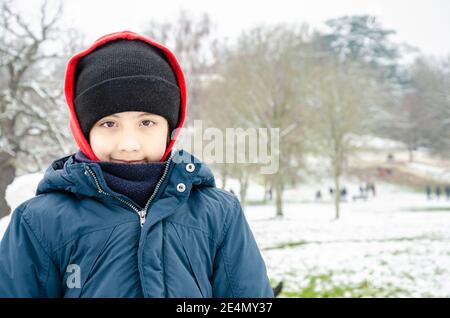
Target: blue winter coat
78,238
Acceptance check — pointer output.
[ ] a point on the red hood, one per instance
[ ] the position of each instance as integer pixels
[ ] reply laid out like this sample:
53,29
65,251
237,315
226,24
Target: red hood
81,141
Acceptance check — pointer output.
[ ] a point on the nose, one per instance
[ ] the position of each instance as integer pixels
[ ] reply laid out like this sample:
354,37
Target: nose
129,144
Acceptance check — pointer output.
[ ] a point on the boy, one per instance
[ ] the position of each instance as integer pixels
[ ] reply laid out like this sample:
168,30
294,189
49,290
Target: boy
122,217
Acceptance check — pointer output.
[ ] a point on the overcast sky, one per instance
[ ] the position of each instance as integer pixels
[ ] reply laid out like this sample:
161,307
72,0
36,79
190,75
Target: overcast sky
421,23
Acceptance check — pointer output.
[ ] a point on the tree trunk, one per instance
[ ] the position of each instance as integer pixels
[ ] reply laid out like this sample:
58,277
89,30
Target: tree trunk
266,190
224,173
337,196
243,190
7,175
7,164
411,154
279,198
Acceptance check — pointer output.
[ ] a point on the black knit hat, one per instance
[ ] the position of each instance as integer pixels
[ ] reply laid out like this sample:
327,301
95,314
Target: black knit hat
125,75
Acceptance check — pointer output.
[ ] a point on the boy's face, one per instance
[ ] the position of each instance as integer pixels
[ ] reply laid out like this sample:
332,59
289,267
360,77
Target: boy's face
129,137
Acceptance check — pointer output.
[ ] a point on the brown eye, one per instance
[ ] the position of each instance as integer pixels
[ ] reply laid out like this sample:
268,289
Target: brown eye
109,124
148,123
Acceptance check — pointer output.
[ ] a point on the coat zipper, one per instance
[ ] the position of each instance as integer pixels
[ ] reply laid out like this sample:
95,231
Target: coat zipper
141,213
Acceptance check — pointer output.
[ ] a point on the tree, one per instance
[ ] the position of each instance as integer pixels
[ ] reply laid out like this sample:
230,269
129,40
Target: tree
431,96
340,96
260,85
362,39
30,100
193,42
420,115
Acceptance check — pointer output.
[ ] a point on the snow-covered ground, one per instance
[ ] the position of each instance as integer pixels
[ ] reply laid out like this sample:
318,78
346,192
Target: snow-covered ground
395,244
437,173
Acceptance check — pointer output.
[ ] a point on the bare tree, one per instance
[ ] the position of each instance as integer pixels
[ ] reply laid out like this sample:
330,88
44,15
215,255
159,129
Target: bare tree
431,99
27,63
339,101
260,85
419,114
192,40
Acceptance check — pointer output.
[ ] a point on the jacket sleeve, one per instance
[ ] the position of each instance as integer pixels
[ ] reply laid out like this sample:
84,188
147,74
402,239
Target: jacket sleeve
26,269
239,269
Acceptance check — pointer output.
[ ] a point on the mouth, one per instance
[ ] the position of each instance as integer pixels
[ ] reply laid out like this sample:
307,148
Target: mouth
128,161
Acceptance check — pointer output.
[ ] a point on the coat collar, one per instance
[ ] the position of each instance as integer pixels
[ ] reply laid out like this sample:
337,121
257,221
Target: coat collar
66,175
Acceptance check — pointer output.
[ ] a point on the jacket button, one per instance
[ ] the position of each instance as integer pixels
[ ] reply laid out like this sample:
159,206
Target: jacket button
190,167
181,187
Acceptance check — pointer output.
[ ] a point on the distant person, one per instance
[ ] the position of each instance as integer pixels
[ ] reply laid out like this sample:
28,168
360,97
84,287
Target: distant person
344,194
438,192
372,187
381,172
428,191
270,194
447,191
368,187
361,191
362,195
318,195
390,157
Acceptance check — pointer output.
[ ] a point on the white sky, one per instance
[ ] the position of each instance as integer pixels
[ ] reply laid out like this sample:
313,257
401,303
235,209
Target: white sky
421,23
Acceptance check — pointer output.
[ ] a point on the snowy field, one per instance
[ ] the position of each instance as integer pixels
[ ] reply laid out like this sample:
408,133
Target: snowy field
396,244
393,245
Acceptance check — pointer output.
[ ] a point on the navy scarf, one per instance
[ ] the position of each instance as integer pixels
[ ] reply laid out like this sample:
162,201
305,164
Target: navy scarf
136,181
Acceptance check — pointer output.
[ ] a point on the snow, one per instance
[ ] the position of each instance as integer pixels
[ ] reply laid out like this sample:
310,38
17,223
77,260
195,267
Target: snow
4,224
396,242
22,189
376,143
437,173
